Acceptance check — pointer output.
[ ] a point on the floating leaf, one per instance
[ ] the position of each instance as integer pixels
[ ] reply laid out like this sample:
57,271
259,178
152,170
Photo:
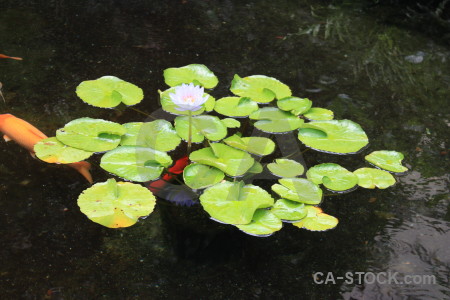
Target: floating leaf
109,91
295,105
255,145
299,190
207,126
159,135
195,73
170,107
334,136
234,202
319,114
388,160
116,204
235,106
333,176
256,168
53,151
198,176
264,223
274,120
232,161
370,178
316,220
231,123
135,163
286,168
259,88
94,135
288,210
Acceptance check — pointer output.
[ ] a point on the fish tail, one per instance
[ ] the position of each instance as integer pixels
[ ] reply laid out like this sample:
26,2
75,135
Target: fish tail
83,168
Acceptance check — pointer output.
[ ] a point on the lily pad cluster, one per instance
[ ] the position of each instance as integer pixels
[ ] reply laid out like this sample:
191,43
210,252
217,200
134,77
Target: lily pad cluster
221,158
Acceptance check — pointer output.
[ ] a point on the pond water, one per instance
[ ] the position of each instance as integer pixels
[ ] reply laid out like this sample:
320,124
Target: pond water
389,75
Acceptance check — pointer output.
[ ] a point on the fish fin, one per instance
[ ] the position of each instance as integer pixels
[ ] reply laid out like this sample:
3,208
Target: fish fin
7,138
32,154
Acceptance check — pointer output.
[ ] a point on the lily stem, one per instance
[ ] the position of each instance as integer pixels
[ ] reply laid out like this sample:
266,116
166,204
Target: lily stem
307,149
144,113
189,134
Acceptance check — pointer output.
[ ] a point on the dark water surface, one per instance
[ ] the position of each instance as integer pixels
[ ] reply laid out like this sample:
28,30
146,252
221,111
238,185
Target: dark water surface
391,78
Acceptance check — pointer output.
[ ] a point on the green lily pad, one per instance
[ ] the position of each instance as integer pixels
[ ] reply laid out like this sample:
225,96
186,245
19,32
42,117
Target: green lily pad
203,126
195,73
135,163
234,202
286,168
295,105
319,114
53,151
289,211
94,135
159,135
109,91
274,120
116,204
299,190
235,106
370,178
170,107
388,160
198,176
255,145
259,88
332,176
232,161
316,220
256,168
334,136
264,223
231,123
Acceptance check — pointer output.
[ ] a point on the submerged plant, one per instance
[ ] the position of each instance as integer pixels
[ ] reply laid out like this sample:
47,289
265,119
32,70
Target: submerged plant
222,162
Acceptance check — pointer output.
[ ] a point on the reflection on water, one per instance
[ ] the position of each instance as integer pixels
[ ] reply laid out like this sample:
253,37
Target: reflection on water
392,80
415,246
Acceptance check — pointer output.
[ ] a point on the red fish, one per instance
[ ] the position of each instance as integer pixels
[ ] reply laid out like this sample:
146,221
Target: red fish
179,194
11,57
26,135
176,169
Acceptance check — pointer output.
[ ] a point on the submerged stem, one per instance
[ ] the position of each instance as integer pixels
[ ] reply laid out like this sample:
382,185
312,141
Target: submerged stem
1,94
144,113
189,134
307,149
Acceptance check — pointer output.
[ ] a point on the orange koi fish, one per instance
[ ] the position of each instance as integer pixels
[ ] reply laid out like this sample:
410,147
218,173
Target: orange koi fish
11,57
26,135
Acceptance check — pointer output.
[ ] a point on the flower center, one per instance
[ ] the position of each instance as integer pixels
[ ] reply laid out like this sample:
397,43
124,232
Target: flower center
189,99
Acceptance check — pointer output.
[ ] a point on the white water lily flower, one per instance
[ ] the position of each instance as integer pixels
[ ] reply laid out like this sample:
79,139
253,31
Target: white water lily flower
188,97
